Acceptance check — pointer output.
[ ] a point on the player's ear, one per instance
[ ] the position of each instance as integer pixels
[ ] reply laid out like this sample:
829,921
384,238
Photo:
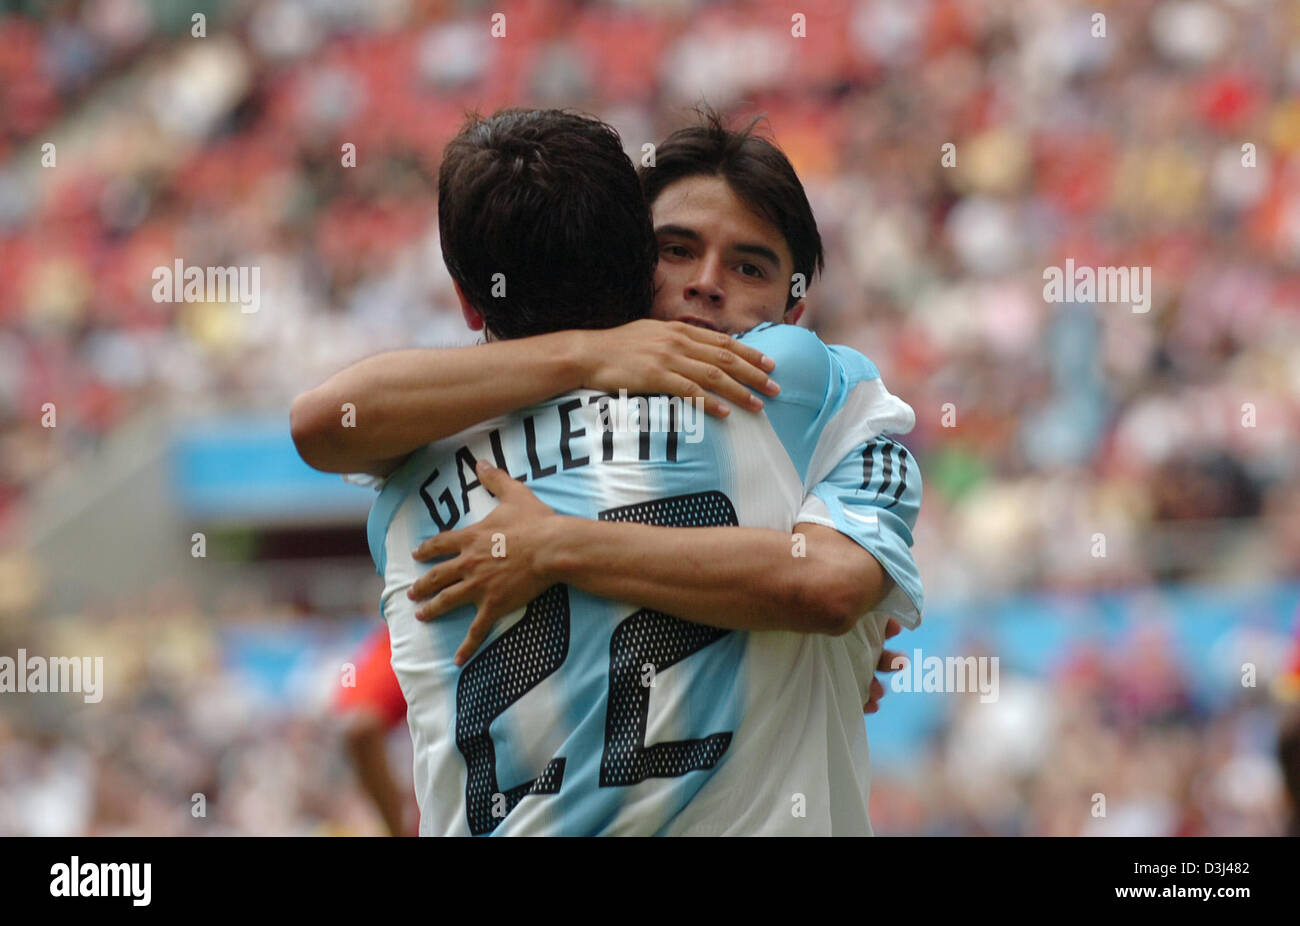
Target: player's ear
473,317
793,313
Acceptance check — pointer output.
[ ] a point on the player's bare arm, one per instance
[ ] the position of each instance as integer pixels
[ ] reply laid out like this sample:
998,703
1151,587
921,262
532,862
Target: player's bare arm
408,398
731,577
365,734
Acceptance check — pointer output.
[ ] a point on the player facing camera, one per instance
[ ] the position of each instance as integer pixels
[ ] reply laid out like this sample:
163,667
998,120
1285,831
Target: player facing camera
738,244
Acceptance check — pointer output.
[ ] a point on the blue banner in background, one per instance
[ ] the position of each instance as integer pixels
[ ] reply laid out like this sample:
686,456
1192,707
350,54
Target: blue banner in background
1209,633
246,468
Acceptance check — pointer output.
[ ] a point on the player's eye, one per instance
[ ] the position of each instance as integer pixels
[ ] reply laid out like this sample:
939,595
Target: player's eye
757,274
674,250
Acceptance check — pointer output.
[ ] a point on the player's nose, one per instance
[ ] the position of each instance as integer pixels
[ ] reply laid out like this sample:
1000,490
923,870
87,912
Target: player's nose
706,283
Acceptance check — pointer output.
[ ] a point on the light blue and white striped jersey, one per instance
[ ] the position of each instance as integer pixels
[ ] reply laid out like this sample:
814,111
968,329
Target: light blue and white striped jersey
581,715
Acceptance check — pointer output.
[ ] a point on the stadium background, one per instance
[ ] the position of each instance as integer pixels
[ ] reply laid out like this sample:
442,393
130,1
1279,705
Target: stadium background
1120,675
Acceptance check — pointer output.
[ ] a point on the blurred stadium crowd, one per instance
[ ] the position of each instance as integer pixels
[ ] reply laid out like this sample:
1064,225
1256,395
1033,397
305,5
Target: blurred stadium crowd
1039,426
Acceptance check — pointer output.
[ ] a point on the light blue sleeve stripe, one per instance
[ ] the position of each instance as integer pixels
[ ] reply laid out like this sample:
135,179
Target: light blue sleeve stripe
398,486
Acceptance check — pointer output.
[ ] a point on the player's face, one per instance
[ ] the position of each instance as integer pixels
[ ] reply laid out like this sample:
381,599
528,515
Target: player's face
720,265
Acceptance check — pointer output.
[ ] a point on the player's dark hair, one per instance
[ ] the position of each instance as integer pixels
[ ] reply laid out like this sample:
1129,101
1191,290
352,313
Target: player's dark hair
548,200
755,169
